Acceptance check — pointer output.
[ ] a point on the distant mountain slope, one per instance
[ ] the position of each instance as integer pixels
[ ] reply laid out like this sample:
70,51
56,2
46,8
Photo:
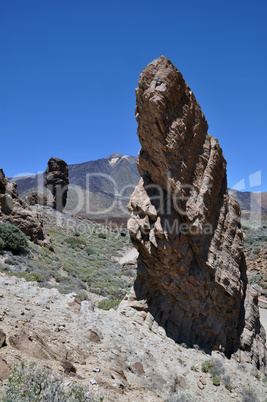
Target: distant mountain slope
250,201
95,185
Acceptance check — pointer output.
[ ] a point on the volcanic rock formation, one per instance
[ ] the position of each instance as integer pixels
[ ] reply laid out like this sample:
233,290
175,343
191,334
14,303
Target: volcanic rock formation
15,211
57,181
36,198
191,267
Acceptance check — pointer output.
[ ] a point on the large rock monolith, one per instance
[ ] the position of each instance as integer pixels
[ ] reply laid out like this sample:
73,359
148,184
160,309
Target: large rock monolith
191,268
57,180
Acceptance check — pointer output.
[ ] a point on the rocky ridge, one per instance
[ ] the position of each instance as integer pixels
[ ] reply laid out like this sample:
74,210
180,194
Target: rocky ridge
191,272
16,212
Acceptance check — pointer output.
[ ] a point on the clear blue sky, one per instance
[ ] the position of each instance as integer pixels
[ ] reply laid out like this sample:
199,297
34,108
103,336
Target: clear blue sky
69,68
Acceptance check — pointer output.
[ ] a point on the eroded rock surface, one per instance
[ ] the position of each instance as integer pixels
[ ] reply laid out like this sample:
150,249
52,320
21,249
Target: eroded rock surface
57,181
191,268
36,198
15,211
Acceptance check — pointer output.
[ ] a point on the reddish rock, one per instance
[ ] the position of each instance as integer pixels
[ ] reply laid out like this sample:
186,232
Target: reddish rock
4,369
16,212
191,268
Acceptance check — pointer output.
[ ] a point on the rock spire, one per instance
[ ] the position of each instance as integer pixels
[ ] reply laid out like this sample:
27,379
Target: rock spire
57,180
191,268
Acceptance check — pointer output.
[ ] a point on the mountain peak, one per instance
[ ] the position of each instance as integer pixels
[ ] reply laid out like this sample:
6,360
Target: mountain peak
115,155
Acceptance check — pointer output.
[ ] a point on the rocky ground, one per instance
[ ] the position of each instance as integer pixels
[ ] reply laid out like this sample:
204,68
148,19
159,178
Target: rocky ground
122,355
118,354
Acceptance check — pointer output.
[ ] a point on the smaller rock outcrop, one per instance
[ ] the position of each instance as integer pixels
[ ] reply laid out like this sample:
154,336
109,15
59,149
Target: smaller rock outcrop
57,180
36,198
16,212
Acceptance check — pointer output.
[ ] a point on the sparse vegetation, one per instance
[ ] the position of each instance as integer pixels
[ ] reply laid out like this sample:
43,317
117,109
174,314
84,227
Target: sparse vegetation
82,261
249,396
26,383
207,366
256,375
108,304
228,386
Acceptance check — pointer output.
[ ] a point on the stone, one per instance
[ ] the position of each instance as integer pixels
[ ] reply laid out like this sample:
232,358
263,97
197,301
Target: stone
4,369
200,385
2,338
16,212
94,336
33,345
203,380
191,269
36,198
138,368
57,181
68,367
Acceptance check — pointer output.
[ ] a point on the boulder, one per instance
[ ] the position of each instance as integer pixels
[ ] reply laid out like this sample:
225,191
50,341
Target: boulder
36,198
57,180
2,338
4,369
16,212
191,269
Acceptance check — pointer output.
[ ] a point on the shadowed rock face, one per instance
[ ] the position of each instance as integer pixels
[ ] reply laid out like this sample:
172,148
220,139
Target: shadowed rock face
191,268
15,211
57,182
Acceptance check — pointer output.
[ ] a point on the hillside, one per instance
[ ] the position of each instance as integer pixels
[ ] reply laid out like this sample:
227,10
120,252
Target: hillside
103,187
115,355
97,188
250,201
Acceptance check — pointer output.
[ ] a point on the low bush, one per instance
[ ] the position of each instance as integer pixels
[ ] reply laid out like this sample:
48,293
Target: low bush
207,366
26,383
90,250
216,381
108,304
13,239
102,235
73,241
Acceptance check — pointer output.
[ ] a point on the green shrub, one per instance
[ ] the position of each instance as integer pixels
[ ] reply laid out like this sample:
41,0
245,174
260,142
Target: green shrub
73,241
90,250
26,383
216,381
83,295
108,304
256,375
207,366
228,386
102,235
13,238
